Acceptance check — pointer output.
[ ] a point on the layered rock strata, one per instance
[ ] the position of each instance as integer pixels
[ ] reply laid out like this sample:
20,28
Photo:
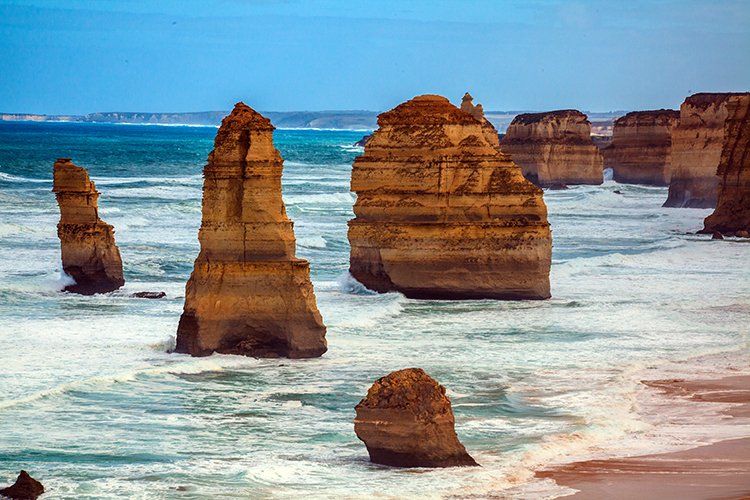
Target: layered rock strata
441,213
248,293
89,253
732,214
25,488
697,141
477,111
641,148
406,420
554,148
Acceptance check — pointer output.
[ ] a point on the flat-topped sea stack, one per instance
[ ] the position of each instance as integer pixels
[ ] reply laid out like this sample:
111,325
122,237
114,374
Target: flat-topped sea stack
732,214
640,152
697,141
554,148
89,253
248,293
441,213
406,420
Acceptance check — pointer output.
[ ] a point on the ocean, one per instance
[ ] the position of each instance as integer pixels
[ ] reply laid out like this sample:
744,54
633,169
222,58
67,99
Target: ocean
95,406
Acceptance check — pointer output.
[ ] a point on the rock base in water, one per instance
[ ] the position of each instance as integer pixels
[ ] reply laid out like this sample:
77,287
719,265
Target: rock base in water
406,420
25,488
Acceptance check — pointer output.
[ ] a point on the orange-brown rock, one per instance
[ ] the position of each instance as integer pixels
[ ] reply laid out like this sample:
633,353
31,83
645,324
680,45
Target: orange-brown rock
697,142
248,293
490,133
732,214
640,152
554,147
406,420
441,213
89,253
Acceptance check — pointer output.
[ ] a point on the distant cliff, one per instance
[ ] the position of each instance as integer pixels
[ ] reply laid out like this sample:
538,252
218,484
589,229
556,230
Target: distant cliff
347,120
281,119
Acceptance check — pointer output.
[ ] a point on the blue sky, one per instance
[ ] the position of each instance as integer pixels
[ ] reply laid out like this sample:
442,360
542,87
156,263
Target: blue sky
146,55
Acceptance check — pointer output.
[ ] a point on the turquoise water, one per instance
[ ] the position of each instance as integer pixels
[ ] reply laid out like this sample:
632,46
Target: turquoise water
95,406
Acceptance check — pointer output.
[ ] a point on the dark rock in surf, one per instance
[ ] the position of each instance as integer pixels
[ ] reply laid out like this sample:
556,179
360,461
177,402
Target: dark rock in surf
25,488
149,295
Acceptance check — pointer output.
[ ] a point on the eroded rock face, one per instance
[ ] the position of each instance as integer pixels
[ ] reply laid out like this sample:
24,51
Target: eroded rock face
248,293
441,213
732,214
641,148
554,147
25,488
89,252
697,142
406,420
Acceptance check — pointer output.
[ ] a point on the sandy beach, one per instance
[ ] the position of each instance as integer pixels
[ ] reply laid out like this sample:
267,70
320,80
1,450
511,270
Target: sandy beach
716,471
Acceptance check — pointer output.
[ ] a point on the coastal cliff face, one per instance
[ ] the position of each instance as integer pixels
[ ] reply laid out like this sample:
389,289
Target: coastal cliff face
732,214
641,148
441,213
554,148
248,293
89,253
406,420
697,142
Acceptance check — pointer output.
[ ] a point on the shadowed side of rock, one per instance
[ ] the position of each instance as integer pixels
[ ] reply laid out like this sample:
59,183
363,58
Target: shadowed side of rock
406,420
732,214
641,148
442,214
248,293
554,147
89,253
697,142
25,488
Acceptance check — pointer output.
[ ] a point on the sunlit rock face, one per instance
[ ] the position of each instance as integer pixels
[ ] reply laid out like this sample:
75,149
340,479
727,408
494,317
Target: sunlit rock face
248,293
441,213
697,141
641,148
554,148
406,420
732,214
89,253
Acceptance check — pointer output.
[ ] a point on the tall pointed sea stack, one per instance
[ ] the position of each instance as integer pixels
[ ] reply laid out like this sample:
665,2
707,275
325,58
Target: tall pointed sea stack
89,253
248,293
441,213
641,148
697,142
732,214
554,148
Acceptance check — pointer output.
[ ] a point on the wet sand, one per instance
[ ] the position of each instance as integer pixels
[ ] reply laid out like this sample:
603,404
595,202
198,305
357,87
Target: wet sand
717,471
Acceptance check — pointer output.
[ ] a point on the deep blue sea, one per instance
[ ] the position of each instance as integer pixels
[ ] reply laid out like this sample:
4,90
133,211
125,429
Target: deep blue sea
94,405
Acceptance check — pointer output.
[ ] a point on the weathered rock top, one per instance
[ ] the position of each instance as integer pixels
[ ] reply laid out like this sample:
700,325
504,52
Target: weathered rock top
549,116
408,389
650,117
704,100
426,110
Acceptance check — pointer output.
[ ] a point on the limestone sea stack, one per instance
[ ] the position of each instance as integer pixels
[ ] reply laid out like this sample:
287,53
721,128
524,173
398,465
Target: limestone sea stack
732,214
89,253
441,213
554,148
406,420
641,148
697,142
248,293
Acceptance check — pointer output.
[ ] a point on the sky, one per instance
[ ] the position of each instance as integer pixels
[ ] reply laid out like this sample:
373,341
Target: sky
77,56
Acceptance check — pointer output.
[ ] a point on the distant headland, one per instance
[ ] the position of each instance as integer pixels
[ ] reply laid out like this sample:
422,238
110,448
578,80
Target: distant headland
342,120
